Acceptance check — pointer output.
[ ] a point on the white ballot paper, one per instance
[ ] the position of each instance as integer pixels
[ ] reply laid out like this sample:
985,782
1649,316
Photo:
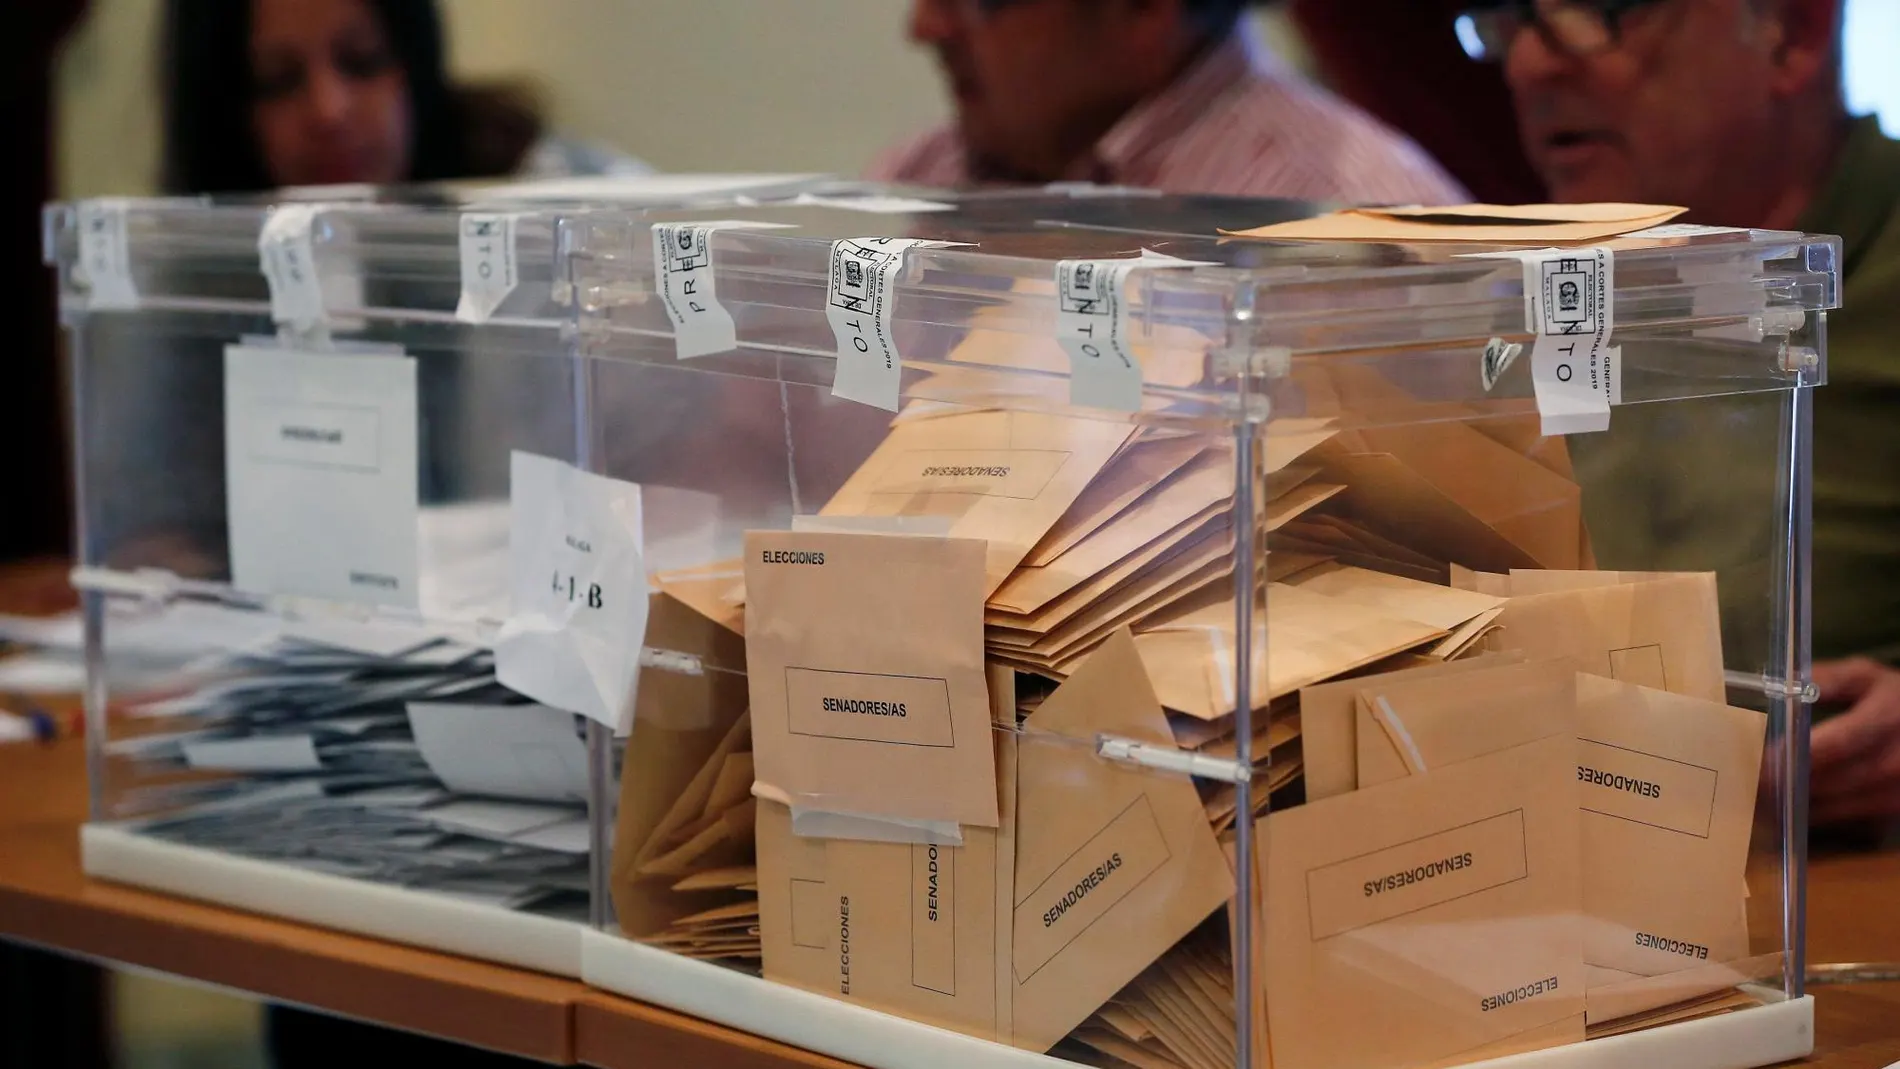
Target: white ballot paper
579,610
320,469
502,751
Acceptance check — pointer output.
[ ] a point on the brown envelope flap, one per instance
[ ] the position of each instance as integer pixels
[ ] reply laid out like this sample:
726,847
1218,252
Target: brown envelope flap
1440,606
1119,863
1384,490
1662,633
1643,994
1491,224
1411,727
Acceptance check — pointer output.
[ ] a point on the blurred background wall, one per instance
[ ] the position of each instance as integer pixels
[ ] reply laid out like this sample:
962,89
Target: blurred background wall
692,85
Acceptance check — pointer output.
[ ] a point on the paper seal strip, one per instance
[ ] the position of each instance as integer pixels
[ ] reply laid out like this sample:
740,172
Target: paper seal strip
683,275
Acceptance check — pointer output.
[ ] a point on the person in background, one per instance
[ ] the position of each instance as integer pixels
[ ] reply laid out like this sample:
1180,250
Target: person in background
1734,109
1166,94
268,93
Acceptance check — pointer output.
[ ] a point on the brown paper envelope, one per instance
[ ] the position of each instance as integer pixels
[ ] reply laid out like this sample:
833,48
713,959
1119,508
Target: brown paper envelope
1135,472
1200,491
904,928
867,685
1206,564
1490,224
1292,505
1662,633
1118,863
1327,527
723,843
1152,565
1536,511
1279,483
1440,606
1190,658
1526,581
737,878
1287,541
1124,1051
1711,1006
715,591
1273,728
1668,787
1543,1037
1610,1002
680,721
687,817
1372,907
1004,477
1284,564
1466,636
1412,726
1177,1039
739,911
1524,435
733,786
1054,593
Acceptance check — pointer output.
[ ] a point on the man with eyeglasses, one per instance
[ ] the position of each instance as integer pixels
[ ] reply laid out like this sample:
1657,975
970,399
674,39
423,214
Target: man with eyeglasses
1165,94
1734,108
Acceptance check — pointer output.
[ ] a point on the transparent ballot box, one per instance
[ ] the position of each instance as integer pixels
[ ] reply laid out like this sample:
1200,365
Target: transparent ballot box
294,423
1077,632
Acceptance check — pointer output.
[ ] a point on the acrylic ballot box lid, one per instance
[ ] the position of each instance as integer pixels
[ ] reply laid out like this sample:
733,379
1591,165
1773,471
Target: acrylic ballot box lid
1274,300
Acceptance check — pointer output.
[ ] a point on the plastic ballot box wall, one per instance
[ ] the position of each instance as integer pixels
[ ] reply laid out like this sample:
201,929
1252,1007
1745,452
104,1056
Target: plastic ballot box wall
294,425
1078,628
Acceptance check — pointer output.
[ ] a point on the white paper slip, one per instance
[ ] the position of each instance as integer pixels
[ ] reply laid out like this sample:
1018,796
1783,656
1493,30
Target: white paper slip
495,820
567,837
579,607
489,270
506,751
683,271
287,256
1092,327
860,295
320,469
105,254
1576,374
263,753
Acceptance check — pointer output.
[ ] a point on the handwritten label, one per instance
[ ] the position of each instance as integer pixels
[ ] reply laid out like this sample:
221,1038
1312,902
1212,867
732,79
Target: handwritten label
489,269
577,618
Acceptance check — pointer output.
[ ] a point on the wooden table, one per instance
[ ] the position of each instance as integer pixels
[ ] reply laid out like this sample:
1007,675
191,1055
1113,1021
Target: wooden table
46,900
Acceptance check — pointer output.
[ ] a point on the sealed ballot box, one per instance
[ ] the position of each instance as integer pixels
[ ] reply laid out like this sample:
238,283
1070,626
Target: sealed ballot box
1095,630
295,425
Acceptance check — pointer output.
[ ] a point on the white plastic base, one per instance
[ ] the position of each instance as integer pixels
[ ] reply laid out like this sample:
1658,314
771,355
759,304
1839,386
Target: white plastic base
1765,1035
403,916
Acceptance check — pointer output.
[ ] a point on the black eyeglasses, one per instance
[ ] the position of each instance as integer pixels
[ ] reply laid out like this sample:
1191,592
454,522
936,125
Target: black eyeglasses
1575,27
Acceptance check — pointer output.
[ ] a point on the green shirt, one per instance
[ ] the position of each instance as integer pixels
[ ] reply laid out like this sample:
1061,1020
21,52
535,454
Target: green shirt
1857,414
1692,485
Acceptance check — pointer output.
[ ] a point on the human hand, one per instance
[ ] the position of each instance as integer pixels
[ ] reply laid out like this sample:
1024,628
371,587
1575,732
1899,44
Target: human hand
1855,757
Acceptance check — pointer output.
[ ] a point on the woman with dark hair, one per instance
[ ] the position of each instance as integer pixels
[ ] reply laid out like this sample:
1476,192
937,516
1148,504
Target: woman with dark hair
267,93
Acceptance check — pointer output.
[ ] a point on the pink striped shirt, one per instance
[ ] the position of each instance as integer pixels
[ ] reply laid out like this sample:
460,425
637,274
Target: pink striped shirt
1229,125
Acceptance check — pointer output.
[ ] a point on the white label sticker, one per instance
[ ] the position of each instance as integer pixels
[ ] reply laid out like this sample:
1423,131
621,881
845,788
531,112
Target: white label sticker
287,254
683,269
859,299
489,273
1103,372
320,469
579,609
1092,327
105,255
1576,373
